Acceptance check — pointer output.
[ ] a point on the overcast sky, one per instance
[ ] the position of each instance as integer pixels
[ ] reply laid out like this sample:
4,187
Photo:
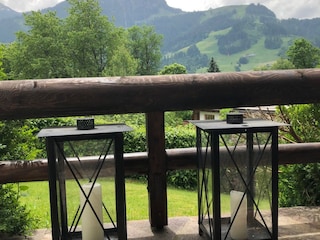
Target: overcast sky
282,8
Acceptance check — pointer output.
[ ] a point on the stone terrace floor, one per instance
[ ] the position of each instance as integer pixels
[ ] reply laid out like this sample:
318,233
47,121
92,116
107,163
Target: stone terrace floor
295,223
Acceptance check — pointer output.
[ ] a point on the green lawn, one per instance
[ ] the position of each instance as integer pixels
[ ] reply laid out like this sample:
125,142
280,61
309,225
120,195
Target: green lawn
180,202
36,197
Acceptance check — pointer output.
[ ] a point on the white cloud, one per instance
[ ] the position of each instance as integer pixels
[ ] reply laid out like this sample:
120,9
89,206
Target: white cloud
189,5
28,5
295,9
282,8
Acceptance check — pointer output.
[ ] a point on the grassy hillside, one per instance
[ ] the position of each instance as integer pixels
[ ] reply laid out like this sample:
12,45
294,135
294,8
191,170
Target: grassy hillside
239,38
257,55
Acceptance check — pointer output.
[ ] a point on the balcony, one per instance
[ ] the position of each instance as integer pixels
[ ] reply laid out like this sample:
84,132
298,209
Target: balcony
154,95
294,224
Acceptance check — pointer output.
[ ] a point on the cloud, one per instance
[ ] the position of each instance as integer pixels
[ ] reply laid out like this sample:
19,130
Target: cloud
189,5
28,5
295,9
283,9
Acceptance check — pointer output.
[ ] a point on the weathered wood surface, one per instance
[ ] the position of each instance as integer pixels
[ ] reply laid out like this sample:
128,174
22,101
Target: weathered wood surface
137,163
92,96
157,169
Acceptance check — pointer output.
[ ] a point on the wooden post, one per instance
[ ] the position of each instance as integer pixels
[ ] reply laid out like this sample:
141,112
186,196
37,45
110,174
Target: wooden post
157,181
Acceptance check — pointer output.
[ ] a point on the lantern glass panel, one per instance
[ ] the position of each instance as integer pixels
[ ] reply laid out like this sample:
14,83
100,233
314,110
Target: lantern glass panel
84,171
246,167
87,194
237,179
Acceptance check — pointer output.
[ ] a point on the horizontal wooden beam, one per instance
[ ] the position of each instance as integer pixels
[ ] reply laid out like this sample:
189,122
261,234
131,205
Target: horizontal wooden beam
137,163
23,99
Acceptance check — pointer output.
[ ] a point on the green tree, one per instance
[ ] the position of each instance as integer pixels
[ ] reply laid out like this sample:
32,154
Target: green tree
303,54
174,68
303,119
144,45
17,141
213,66
84,44
122,63
14,217
299,183
2,74
92,40
39,52
282,64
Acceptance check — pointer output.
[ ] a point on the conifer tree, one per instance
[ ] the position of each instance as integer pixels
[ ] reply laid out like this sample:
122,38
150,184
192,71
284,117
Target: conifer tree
213,66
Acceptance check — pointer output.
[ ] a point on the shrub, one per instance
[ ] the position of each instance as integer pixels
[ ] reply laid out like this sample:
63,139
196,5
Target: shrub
181,136
16,142
243,60
14,218
184,179
299,185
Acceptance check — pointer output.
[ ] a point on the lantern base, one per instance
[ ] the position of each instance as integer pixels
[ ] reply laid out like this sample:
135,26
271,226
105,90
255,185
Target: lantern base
256,231
109,233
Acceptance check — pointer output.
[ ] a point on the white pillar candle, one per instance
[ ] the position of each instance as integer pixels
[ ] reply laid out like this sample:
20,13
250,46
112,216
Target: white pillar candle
238,229
91,228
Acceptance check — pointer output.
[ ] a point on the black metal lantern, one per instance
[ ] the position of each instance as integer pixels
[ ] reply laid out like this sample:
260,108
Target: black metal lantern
238,178
95,185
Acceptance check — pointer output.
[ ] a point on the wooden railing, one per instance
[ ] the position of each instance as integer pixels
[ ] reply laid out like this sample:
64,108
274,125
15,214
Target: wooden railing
137,163
92,96
154,95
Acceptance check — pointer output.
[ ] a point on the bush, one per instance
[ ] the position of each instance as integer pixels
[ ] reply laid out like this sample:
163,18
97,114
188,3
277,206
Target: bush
135,141
184,179
16,142
181,136
299,185
14,218
243,60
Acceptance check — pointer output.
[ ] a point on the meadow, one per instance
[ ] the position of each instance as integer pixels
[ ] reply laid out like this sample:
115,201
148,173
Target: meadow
35,195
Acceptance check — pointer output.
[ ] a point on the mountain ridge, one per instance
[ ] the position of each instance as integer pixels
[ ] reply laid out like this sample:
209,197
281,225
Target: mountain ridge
6,12
219,33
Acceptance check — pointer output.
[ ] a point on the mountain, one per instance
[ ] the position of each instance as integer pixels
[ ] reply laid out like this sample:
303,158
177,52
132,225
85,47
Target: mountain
126,13
6,12
10,22
238,37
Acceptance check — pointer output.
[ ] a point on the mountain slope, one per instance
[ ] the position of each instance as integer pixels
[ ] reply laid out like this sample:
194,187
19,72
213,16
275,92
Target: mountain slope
126,13
6,12
238,37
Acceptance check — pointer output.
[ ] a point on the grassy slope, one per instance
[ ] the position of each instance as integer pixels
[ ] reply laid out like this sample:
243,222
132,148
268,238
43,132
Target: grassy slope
258,55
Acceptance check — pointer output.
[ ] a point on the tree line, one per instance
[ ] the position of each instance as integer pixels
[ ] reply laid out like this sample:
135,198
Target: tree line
84,44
